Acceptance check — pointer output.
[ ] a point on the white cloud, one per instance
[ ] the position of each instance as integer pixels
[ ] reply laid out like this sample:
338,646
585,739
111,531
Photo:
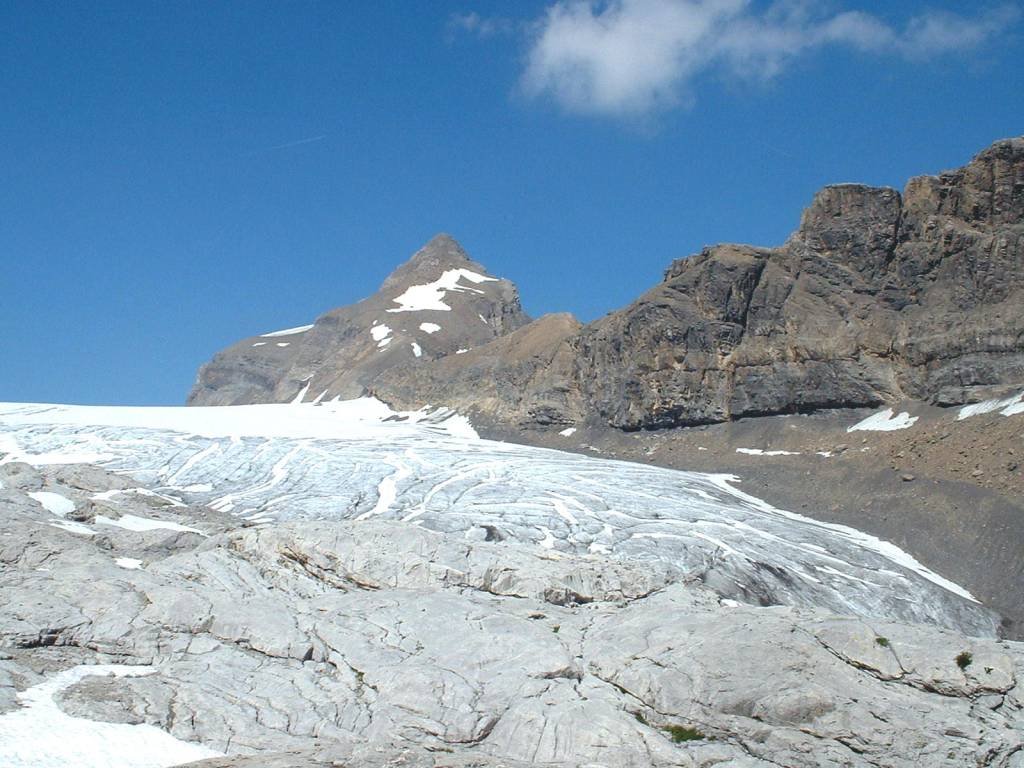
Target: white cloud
629,58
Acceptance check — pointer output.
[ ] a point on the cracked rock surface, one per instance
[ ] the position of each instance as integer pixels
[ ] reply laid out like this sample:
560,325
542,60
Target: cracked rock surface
327,643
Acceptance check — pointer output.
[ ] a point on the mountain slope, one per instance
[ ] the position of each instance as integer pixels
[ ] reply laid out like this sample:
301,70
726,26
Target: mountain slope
436,304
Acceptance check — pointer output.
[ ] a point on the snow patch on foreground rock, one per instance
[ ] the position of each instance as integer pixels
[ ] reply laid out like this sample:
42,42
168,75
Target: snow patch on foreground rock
40,735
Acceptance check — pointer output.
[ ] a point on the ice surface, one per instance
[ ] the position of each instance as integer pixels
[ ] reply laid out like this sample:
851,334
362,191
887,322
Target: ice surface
352,459
287,332
40,735
430,296
884,421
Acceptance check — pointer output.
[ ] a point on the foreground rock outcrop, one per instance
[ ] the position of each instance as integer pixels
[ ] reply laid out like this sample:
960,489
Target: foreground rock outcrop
378,643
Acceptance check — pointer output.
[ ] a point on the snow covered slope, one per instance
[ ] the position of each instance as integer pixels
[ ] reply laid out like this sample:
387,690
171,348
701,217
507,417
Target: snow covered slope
358,460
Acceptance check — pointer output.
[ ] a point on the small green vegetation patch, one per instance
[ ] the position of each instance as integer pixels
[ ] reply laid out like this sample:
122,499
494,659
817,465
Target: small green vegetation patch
882,641
964,659
681,733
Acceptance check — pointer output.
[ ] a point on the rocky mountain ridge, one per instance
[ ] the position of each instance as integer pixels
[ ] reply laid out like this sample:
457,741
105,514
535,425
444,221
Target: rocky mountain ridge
438,303
877,297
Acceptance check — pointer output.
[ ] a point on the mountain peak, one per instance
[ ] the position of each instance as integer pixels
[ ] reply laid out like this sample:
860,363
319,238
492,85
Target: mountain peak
440,253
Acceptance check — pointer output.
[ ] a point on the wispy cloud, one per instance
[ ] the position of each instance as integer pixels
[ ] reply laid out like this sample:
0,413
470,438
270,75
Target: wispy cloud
481,26
630,58
296,143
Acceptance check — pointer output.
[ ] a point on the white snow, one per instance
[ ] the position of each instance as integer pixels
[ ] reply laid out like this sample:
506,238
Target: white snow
260,344
461,351
134,523
40,735
360,419
283,343
482,318
760,452
568,432
72,527
884,421
128,563
387,491
430,327
287,332
54,502
109,495
381,334
416,349
302,394
430,296
1007,407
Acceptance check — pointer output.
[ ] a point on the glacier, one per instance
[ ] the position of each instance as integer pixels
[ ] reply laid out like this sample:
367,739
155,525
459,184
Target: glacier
359,460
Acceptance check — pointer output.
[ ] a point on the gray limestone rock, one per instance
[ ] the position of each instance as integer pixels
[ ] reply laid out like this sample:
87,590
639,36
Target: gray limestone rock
372,643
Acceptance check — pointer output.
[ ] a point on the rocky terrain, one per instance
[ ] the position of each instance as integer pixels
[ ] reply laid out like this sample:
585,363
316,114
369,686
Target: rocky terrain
880,298
277,633
336,570
437,304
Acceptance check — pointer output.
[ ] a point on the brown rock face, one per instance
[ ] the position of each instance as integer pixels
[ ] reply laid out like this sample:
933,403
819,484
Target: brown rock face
523,379
875,298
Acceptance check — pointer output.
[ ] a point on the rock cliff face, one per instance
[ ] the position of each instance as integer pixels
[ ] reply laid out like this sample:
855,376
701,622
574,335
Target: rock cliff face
436,304
877,297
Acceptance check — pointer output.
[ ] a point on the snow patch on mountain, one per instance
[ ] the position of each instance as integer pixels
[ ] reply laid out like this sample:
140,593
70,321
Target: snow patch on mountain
430,296
1007,407
884,421
287,332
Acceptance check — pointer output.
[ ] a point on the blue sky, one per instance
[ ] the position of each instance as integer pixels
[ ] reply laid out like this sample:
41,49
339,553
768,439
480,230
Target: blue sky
177,176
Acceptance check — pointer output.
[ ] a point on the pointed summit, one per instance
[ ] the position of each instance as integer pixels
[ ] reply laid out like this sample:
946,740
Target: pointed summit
441,253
